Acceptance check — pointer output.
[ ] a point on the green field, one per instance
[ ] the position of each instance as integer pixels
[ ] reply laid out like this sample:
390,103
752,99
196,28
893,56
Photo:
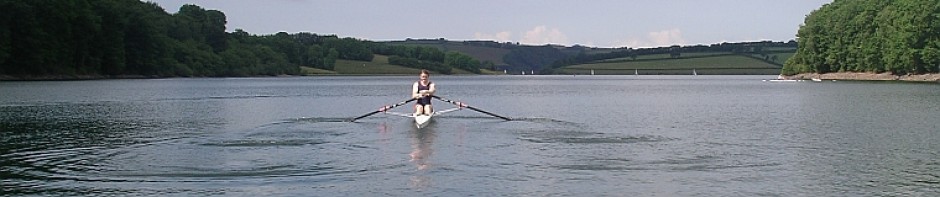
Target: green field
664,56
378,65
316,71
783,57
701,63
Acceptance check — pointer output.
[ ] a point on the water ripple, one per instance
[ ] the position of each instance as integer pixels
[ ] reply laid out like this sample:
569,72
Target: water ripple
597,140
266,142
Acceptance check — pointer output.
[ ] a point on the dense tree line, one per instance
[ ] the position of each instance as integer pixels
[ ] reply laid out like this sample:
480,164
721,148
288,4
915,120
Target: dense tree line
492,44
126,37
478,43
130,37
901,37
430,58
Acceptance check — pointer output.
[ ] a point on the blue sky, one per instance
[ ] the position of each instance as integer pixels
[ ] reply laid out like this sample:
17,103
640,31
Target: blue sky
597,23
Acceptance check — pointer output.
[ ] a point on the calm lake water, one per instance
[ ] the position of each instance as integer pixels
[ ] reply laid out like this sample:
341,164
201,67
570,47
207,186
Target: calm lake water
572,136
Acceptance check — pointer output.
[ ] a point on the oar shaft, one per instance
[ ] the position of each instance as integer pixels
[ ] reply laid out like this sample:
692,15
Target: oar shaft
385,108
471,107
488,113
363,116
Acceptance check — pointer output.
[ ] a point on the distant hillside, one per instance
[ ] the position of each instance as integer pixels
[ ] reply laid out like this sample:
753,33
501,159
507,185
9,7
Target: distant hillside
90,39
378,66
493,53
764,57
691,63
512,57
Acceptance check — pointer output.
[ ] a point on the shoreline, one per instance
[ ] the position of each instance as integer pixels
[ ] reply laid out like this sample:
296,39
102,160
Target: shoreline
847,76
857,76
73,77
108,77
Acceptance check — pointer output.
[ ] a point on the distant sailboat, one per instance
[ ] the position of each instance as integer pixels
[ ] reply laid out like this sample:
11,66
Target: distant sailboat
693,72
592,71
636,72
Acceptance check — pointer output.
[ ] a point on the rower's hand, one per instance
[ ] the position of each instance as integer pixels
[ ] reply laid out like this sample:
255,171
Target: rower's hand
422,93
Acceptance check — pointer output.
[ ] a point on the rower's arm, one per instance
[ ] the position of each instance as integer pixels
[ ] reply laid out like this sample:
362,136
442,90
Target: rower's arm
414,91
431,89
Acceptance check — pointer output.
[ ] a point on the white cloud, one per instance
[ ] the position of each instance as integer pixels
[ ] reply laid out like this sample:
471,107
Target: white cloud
543,35
504,36
536,36
667,37
630,42
653,39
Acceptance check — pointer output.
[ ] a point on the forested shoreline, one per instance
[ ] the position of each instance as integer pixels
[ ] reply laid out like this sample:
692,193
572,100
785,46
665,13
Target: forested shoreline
90,39
869,36
95,39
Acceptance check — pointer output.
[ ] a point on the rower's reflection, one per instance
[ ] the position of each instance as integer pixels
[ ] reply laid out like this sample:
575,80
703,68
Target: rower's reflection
421,142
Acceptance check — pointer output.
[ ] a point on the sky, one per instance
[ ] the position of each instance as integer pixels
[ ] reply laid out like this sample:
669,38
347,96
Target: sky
593,23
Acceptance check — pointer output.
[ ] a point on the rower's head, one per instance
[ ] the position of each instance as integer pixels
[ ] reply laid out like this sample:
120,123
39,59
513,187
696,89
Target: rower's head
424,75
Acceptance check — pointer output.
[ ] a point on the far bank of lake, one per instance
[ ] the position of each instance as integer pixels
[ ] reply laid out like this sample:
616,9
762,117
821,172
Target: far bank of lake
856,76
852,76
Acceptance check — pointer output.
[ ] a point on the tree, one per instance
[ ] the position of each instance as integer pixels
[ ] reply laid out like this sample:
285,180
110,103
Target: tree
350,48
131,37
868,36
461,61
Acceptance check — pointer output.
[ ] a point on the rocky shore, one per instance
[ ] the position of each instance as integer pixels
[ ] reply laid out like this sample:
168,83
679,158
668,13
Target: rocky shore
866,77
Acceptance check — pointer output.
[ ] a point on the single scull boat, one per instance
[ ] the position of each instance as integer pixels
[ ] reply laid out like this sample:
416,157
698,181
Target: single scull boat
422,120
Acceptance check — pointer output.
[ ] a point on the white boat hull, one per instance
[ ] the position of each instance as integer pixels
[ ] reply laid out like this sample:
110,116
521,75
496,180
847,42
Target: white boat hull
422,121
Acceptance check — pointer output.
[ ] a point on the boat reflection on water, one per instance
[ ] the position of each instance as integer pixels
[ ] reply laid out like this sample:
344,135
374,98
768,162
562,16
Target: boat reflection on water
422,141
421,148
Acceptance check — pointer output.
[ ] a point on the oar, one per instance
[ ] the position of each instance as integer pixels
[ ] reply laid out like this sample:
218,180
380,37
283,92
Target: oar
470,107
385,108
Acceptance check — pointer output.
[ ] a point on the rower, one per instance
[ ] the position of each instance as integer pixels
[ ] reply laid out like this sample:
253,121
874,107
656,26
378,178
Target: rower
422,91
